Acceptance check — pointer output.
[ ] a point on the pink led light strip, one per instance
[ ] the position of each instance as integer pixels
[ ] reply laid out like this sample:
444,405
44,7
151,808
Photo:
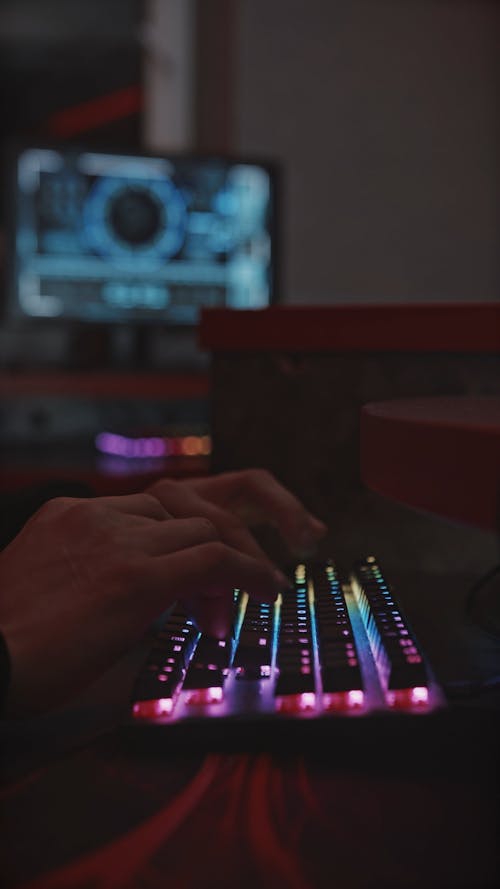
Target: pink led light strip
146,447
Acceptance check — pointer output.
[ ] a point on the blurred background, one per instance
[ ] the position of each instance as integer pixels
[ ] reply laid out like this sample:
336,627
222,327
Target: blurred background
382,113
379,119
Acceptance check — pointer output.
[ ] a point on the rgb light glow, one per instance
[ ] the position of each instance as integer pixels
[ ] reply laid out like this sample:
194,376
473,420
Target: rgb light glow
402,698
419,695
153,446
344,700
202,696
153,709
296,703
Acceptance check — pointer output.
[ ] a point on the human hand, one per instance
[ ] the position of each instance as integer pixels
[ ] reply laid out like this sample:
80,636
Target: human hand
85,578
234,501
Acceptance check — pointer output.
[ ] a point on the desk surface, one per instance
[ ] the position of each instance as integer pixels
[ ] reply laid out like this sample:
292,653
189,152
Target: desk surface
381,807
441,455
421,815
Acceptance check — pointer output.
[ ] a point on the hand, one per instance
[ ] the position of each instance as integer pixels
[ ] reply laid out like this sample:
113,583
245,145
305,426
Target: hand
85,578
235,500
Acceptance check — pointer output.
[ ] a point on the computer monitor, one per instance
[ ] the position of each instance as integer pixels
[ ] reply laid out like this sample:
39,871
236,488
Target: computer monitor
109,238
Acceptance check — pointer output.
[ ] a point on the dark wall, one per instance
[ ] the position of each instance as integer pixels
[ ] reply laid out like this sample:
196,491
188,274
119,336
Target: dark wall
55,55
385,116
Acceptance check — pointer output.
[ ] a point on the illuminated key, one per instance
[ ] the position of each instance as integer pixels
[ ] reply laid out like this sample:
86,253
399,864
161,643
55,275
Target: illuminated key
153,709
399,661
253,656
212,694
213,651
295,689
341,678
158,683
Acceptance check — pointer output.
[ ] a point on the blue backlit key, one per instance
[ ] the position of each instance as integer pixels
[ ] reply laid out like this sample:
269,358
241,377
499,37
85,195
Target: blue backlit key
295,689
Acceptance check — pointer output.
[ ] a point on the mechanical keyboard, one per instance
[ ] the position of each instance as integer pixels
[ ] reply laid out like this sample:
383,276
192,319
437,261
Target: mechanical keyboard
327,648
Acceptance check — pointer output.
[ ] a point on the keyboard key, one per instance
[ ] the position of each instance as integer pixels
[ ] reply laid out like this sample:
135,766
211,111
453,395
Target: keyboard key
199,676
341,677
149,687
213,651
254,650
400,673
296,684
405,674
197,697
337,651
158,684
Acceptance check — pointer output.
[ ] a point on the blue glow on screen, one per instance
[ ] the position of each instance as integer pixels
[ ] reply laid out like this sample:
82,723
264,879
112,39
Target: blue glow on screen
112,238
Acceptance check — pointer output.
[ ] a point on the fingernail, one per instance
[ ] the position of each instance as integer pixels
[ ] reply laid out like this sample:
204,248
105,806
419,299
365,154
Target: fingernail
320,526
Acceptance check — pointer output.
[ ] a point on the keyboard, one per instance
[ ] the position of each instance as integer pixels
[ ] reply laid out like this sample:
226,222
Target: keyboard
328,647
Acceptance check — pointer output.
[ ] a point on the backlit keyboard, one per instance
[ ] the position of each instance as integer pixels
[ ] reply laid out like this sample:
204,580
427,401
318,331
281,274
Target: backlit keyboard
325,648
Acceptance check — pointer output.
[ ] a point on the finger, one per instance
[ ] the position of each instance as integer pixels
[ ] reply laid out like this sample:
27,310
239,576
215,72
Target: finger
162,538
139,509
205,577
256,496
212,616
182,501
143,505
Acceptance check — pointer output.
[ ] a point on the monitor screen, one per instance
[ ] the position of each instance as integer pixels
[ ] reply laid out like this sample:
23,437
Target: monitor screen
113,238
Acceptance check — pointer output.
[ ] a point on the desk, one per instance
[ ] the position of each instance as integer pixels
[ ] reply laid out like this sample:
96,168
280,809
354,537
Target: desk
391,805
437,454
